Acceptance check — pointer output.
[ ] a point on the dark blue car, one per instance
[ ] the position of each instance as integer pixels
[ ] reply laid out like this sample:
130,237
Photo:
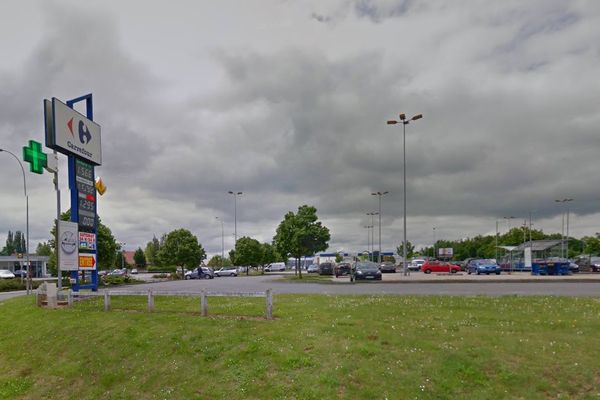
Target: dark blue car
483,266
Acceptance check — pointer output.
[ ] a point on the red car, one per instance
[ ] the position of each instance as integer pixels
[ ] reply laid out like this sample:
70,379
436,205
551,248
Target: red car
439,266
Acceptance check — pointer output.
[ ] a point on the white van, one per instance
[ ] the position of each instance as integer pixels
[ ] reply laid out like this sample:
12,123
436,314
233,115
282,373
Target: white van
279,266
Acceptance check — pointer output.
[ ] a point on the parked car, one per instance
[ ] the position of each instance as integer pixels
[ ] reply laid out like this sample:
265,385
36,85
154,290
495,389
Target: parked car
20,273
205,273
595,264
134,271
387,266
367,270
227,271
416,264
117,272
573,267
342,269
483,266
326,268
103,272
279,267
439,266
312,268
6,274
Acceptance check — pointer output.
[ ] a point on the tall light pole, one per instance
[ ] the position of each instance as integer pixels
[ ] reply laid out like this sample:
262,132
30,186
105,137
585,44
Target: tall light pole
235,196
26,219
222,241
122,254
380,194
434,242
496,241
510,251
404,122
373,214
368,228
562,235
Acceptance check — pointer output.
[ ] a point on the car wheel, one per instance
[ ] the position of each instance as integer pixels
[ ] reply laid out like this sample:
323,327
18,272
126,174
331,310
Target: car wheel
497,273
232,275
469,272
427,271
187,278
453,271
478,273
206,276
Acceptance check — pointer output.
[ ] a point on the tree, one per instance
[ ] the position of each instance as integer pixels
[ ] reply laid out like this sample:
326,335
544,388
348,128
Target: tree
43,249
410,249
182,249
151,252
592,244
269,255
339,258
248,252
19,243
217,262
301,234
139,258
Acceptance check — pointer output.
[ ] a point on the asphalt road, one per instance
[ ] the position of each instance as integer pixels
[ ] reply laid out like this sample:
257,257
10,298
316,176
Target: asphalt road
261,283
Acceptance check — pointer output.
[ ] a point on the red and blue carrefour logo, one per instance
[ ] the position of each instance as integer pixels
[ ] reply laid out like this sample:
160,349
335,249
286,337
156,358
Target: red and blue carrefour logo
84,133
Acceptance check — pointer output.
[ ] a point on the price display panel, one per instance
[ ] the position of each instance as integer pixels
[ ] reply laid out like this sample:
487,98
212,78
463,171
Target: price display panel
86,195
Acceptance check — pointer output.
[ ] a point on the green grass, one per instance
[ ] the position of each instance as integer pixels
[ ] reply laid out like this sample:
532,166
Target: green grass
318,347
306,278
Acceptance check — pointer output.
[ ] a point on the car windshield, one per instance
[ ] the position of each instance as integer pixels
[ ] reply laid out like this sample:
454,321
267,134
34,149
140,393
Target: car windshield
595,259
487,261
366,266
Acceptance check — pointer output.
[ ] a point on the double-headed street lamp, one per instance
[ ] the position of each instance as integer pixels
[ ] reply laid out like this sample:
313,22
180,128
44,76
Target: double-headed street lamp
235,196
404,122
562,235
372,214
222,241
380,194
26,219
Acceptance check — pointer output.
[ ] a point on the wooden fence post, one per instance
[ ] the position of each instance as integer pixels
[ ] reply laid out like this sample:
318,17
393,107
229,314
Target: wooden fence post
150,301
106,300
203,304
269,295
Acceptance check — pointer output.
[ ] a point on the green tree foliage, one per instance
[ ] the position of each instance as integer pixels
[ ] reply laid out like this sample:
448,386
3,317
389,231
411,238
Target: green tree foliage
15,243
216,262
592,244
248,252
269,255
151,252
339,258
139,258
120,261
301,234
182,249
43,249
410,249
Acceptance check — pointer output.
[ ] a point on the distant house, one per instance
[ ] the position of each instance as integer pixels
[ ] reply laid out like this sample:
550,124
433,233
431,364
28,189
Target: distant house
14,262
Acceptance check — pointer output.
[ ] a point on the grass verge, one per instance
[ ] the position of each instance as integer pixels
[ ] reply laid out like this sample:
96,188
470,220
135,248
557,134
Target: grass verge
319,347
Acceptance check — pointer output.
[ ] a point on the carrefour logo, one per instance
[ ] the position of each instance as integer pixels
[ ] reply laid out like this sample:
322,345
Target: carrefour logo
84,133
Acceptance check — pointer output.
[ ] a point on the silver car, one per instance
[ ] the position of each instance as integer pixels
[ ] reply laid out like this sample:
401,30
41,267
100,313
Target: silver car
226,271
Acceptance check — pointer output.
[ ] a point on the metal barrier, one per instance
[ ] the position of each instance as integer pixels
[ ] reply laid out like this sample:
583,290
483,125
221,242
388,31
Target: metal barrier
268,295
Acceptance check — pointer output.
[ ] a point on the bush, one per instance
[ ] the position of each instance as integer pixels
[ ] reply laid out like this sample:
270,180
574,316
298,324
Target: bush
117,280
8,285
170,268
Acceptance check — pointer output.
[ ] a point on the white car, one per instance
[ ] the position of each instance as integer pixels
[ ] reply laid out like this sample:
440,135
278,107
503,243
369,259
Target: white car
275,267
6,274
416,264
227,271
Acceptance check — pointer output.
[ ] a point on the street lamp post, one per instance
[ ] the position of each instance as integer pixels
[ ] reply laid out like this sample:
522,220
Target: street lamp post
404,122
368,228
380,194
222,241
235,196
562,235
372,214
510,251
26,220
434,242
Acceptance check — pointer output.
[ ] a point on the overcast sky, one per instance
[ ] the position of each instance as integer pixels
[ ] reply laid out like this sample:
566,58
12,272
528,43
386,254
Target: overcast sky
287,101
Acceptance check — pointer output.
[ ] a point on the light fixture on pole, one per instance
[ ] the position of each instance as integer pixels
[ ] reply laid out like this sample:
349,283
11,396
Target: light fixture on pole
26,220
372,214
562,235
380,194
235,196
404,122
222,241
510,251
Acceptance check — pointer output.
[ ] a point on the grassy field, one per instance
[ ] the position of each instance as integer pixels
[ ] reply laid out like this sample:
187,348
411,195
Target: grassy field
319,347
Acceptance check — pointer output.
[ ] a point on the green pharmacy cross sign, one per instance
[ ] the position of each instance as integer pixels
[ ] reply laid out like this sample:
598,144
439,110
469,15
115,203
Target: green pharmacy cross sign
34,155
